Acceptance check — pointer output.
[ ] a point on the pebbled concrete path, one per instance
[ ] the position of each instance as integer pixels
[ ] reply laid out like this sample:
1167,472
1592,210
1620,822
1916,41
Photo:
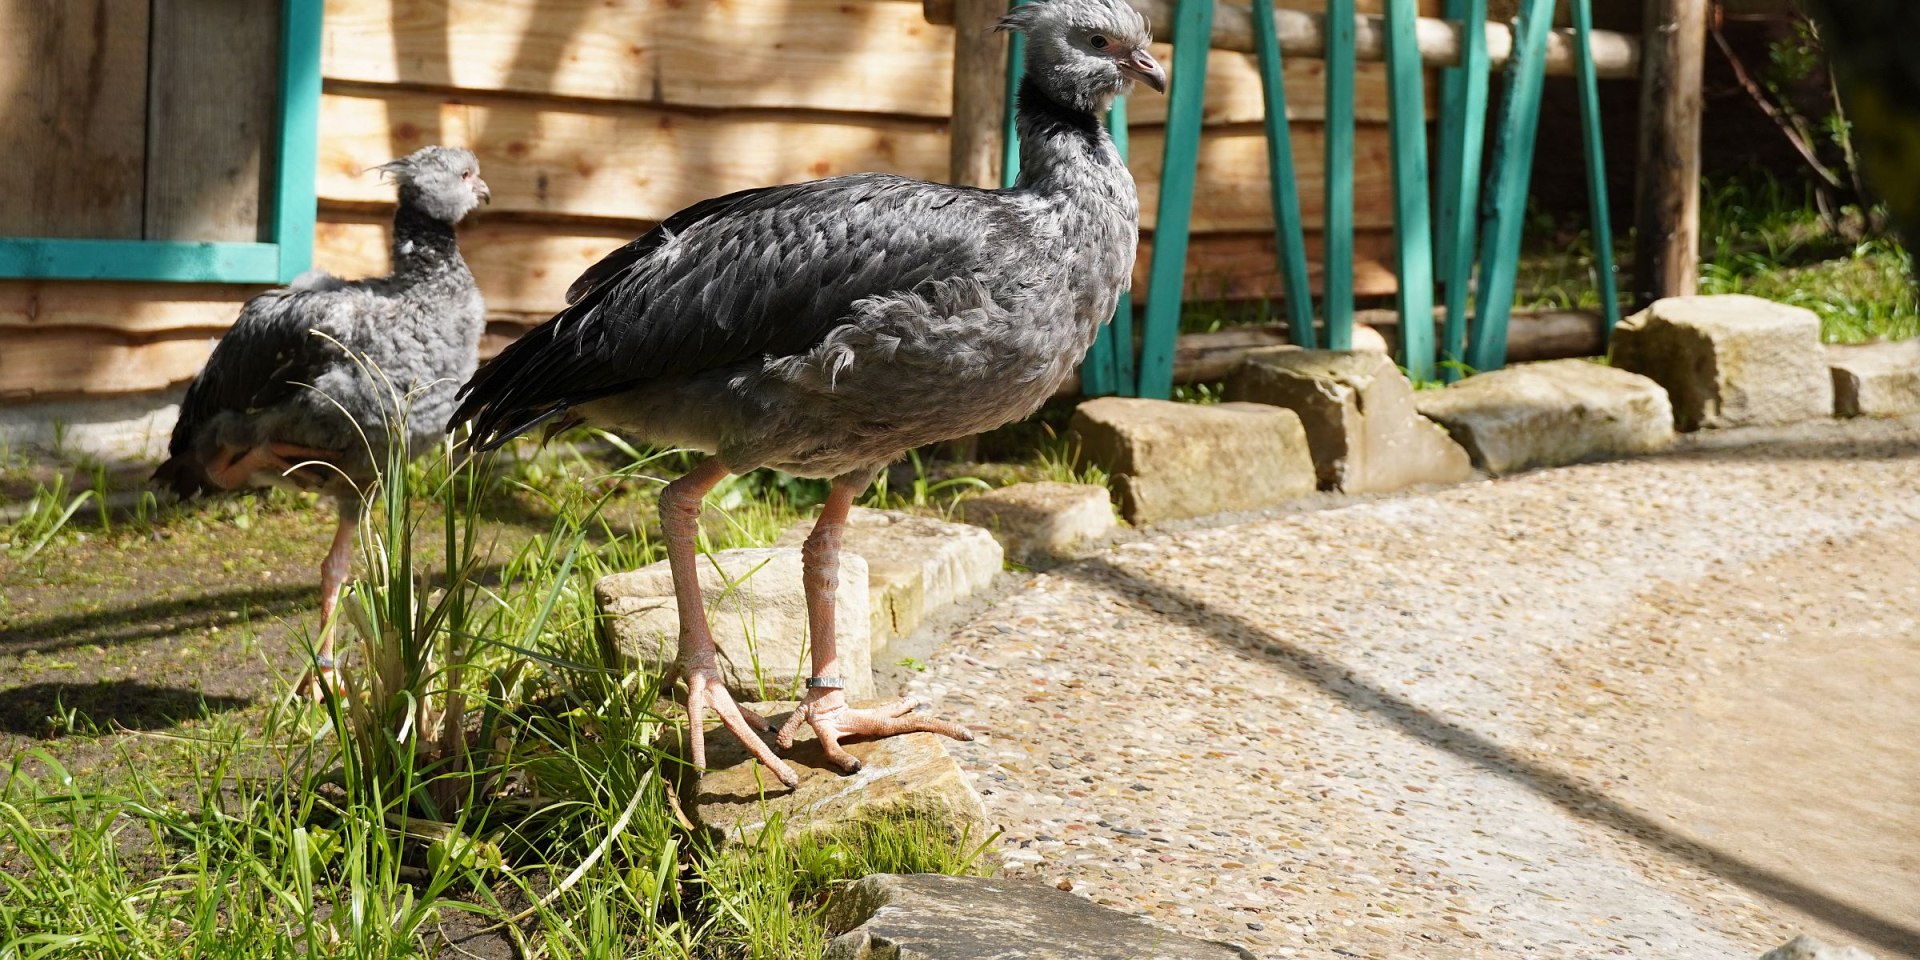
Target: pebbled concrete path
1659,708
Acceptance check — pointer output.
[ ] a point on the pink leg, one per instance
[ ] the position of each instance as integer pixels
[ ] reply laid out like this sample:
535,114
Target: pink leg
825,708
698,663
333,576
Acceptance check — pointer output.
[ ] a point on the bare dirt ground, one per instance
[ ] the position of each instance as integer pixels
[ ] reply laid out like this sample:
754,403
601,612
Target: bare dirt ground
1662,708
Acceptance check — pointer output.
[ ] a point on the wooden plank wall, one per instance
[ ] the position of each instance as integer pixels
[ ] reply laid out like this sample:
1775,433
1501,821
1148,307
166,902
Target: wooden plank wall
595,118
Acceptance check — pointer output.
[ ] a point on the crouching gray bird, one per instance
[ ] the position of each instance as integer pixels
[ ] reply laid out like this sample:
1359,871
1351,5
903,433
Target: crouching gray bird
825,328
305,387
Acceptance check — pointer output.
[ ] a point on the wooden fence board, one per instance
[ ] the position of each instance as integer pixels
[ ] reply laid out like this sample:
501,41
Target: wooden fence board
74,99
644,164
129,308
211,118
876,57
39,364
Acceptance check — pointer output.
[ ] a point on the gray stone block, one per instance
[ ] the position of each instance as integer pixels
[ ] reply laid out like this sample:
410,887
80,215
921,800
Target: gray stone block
1804,947
1552,413
931,917
1358,411
1875,379
1729,361
1040,523
915,565
1174,460
757,605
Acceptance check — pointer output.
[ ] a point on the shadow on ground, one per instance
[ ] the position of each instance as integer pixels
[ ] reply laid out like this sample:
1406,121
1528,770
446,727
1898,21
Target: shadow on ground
42,709
155,619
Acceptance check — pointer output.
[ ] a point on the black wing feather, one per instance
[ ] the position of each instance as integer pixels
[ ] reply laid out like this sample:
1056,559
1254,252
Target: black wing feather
765,272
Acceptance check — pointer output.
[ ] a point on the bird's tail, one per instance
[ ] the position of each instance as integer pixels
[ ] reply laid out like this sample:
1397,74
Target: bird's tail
509,395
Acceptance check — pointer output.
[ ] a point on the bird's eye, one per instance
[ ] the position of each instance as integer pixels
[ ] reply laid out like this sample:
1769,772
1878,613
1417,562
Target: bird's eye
1099,42
466,174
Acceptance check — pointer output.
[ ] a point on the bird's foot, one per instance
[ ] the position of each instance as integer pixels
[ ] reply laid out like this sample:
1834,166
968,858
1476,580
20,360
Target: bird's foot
321,678
706,691
832,720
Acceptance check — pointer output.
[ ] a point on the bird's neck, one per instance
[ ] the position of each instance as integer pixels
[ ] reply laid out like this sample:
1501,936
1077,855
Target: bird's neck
1062,146
422,242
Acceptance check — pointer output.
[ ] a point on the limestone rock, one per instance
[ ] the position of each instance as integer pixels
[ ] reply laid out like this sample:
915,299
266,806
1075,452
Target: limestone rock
915,565
927,916
1552,413
1358,411
905,777
1729,360
1173,460
1804,947
1875,379
1042,522
757,606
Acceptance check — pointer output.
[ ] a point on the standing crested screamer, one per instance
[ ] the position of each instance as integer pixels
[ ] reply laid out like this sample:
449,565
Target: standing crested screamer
826,328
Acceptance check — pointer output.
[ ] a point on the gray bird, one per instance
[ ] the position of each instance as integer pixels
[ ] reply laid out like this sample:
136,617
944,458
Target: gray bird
306,385
825,328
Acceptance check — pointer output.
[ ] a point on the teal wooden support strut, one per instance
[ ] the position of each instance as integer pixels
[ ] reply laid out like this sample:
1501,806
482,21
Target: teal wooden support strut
1009,130
295,207
1337,248
1289,239
1512,169
1166,277
1412,209
1463,134
1119,333
1596,152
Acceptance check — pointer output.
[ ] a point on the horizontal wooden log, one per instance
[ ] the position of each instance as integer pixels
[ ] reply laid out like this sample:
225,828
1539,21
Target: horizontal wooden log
783,54
822,55
1242,266
1233,91
640,163
40,364
1303,34
129,308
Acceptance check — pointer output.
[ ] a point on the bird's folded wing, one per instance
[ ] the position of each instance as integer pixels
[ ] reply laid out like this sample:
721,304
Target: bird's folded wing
766,272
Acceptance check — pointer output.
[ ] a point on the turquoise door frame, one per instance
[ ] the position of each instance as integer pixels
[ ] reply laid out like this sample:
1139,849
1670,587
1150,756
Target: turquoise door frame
290,251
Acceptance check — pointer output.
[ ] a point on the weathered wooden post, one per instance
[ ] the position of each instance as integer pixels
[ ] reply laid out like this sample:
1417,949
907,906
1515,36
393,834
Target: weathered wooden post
1666,249
979,78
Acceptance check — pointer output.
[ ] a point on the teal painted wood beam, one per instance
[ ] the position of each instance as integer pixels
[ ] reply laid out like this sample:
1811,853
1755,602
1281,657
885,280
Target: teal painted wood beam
1166,277
1337,248
1100,370
1412,207
1289,239
1512,169
170,261
1589,82
1126,377
1464,109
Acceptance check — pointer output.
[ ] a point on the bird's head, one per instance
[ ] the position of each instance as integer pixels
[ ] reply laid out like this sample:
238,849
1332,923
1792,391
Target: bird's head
442,182
1083,53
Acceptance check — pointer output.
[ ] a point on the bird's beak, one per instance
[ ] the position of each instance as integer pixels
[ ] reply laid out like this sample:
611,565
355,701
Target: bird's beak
481,190
1143,67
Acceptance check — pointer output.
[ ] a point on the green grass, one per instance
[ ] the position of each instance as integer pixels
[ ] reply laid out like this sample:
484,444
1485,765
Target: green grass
1758,237
489,766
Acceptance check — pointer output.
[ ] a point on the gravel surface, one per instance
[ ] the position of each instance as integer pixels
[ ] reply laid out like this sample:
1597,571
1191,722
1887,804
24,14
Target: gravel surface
1660,708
